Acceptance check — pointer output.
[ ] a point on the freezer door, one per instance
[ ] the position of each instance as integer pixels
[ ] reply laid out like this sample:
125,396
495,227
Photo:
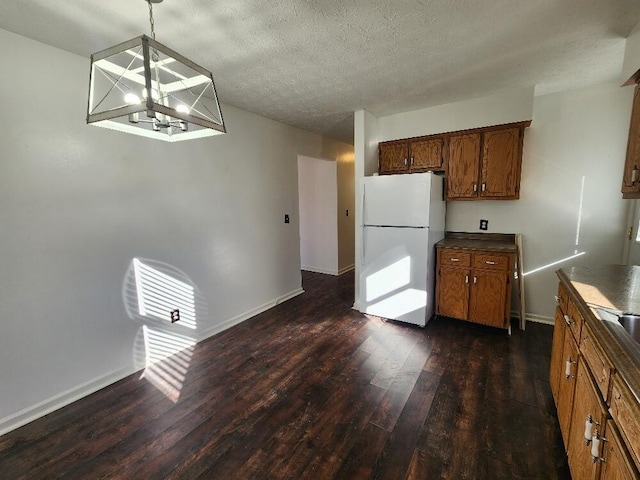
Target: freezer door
400,200
393,281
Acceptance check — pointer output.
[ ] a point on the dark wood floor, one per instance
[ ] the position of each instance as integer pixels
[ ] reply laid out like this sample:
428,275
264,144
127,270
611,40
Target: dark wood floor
313,389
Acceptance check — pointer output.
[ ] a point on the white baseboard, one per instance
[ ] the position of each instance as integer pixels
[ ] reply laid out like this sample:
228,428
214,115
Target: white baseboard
535,318
346,269
67,397
319,270
62,399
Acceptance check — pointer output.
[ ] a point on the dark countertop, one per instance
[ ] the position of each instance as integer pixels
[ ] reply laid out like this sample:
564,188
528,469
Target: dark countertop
495,242
614,287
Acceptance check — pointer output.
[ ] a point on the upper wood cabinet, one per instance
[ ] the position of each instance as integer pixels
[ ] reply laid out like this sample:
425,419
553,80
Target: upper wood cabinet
409,156
631,176
463,167
479,164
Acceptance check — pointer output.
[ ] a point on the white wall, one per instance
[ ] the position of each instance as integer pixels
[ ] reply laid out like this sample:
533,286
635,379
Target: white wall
576,136
78,203
631,62
318,200
506,107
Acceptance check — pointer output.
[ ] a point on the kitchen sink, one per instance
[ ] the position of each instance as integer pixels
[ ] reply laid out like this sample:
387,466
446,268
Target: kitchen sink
630,322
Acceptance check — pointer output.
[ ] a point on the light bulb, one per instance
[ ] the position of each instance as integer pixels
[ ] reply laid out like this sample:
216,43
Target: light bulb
132,99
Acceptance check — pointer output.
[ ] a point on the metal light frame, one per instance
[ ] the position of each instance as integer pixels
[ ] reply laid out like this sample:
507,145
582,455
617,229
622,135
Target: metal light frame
183,103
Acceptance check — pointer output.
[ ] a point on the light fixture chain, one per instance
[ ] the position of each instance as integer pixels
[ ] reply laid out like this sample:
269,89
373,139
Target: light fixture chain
151,21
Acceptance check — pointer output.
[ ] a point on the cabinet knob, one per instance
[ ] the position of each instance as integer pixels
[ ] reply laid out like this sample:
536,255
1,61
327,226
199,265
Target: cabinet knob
475,280
634,175
412,161
466,279
567,320
455,259
405,161
484,186
490,263
475,187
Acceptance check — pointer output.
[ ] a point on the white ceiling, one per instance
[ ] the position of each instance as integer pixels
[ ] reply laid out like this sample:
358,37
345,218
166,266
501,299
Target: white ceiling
312,63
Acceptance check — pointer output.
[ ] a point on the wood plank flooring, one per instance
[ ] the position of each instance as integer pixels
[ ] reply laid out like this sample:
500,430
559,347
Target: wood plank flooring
313,389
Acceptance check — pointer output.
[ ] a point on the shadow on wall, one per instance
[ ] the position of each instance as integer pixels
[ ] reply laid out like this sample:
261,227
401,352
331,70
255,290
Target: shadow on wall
153,292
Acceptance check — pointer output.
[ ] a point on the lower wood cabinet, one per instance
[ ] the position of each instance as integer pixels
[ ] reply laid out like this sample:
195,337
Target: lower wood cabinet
588,420
598,416
475,286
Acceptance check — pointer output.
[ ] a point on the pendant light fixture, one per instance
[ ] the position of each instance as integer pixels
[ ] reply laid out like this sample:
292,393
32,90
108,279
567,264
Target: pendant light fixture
144,88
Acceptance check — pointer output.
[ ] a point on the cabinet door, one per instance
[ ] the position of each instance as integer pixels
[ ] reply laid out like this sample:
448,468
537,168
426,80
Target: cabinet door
557,367
463,166
487,302
453,292
394,157
501,160
631,176
426,155
617,465
566,387
587,404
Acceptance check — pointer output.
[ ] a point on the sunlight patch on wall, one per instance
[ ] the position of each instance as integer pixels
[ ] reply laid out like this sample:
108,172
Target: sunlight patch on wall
159,294
388,279
549,265
167,359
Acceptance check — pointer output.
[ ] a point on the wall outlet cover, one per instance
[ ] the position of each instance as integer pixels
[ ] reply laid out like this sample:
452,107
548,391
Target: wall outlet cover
484,224
286,218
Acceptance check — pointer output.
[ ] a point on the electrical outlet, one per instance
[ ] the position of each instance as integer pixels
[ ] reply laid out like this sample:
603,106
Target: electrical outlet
347,214
484,224
286,218
175,315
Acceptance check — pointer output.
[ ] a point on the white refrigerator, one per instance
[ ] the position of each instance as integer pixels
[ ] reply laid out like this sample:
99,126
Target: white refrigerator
403,219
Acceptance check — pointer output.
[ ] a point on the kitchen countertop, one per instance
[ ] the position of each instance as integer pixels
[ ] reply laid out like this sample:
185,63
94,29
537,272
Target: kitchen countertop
479,241
614,287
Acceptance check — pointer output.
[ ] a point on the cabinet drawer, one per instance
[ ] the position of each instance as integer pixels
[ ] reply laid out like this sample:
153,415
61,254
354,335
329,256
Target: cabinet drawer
626,413
598,363
454,257
573,318
491,261
563,298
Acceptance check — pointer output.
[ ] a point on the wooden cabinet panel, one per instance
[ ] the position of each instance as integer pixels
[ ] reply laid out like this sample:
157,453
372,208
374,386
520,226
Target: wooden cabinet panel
487,301
426,154
626,412
491,261
631,175
574,320
501,161
454,257
475,285
563,298
556,368
617,465
599,365
394,157
463,166
567,385
587,405
453,292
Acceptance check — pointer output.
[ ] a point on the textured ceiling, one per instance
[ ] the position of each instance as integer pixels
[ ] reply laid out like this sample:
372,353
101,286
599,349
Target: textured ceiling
312,63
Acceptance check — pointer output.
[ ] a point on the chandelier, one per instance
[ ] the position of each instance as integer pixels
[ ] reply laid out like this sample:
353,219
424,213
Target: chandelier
144,88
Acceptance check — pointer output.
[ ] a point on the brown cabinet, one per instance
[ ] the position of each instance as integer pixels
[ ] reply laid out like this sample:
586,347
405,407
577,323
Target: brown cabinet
631,175
616,463
475,286
587,420
479,164
410,156
485,165
598,415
